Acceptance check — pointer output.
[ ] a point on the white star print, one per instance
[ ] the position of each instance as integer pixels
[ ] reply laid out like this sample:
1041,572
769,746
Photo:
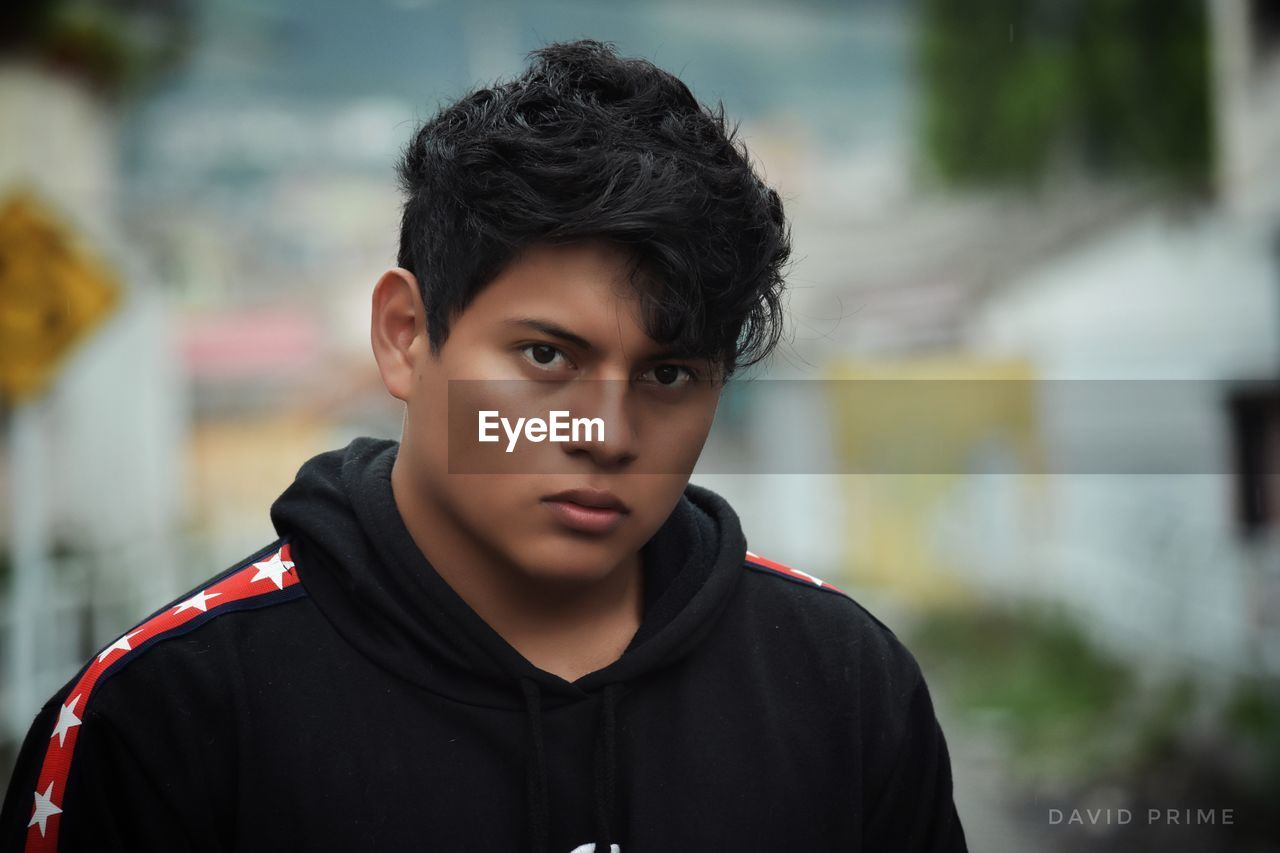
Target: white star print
44,808
273,569
67,720
817,581
122,644
199,601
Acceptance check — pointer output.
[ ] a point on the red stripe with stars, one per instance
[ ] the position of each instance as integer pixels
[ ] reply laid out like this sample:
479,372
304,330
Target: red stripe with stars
274,572
780,568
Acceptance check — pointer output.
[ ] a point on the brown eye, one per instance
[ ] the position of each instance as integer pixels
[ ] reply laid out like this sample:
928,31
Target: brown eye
666,374
544,355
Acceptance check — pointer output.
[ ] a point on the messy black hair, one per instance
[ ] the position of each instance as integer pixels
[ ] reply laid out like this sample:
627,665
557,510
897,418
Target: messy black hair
586,144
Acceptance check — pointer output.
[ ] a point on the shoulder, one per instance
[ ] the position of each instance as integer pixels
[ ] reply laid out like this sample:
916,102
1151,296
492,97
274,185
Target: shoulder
857,659
791,585
829,625
155,698
181,639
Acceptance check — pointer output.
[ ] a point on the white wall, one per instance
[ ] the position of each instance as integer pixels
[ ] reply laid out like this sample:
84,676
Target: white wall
1153,561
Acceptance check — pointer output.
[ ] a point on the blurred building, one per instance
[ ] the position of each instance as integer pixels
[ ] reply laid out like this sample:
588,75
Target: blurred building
95,471
250,205
1082,281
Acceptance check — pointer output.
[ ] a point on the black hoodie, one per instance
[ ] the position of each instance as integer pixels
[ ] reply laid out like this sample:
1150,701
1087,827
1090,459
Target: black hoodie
332,692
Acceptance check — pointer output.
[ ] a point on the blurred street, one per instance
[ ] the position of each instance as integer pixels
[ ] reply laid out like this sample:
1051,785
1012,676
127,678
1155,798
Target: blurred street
1030,203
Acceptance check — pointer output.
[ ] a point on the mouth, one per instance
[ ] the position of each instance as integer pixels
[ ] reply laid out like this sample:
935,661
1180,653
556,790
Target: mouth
587,510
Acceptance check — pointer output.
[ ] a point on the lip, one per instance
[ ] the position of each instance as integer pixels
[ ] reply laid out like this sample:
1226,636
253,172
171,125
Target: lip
587,510
595,498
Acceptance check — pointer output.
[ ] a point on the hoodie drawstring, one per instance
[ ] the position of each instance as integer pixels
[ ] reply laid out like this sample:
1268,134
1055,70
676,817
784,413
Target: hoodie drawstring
606,769
536,775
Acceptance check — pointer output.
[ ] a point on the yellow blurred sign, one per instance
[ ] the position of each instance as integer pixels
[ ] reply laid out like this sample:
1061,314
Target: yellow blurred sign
880,415
52,293
932,415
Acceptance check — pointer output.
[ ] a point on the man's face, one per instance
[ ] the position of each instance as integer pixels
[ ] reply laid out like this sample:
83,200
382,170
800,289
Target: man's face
559,329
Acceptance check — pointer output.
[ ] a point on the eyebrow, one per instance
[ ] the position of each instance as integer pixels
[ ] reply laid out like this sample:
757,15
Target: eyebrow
549,328
556,331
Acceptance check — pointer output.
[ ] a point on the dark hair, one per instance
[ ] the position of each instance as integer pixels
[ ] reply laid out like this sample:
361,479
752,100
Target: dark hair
586,144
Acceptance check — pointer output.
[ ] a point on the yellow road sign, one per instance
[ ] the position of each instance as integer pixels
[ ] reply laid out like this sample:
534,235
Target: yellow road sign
52,293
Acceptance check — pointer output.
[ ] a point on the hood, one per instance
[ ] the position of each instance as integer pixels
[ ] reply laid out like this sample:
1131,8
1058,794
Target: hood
363,570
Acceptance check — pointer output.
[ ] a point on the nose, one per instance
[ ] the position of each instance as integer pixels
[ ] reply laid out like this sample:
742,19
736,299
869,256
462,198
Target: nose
608,400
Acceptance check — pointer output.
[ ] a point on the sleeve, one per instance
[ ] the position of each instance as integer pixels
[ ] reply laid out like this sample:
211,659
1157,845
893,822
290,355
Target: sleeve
914,811
104,797
19,798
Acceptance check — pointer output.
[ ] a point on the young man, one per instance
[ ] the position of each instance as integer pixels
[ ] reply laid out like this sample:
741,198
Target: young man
563,648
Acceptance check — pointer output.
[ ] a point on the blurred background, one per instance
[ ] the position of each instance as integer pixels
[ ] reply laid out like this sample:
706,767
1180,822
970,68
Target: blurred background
196,199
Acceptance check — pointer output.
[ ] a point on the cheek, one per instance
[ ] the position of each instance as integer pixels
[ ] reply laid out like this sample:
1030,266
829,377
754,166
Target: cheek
481,416
652,498
500,505
672,442
427,416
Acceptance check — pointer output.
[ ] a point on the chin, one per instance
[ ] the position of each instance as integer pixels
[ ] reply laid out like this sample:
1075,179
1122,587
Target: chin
570,562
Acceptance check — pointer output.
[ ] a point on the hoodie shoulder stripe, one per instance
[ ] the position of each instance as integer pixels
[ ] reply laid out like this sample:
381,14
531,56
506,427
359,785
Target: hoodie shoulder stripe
764,564
267,577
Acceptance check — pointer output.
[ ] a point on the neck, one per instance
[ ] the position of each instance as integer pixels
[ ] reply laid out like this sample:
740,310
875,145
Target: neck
566,629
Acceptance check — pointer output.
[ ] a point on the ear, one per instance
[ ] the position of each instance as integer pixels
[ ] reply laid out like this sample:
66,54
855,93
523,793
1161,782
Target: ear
398,330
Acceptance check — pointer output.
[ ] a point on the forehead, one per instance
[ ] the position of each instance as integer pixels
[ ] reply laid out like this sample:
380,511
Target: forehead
584,287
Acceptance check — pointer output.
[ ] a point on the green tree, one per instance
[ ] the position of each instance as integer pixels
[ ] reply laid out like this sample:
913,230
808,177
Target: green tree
1013,88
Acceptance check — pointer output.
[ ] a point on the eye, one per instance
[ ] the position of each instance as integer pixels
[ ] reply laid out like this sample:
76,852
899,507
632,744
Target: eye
669,375
544,356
